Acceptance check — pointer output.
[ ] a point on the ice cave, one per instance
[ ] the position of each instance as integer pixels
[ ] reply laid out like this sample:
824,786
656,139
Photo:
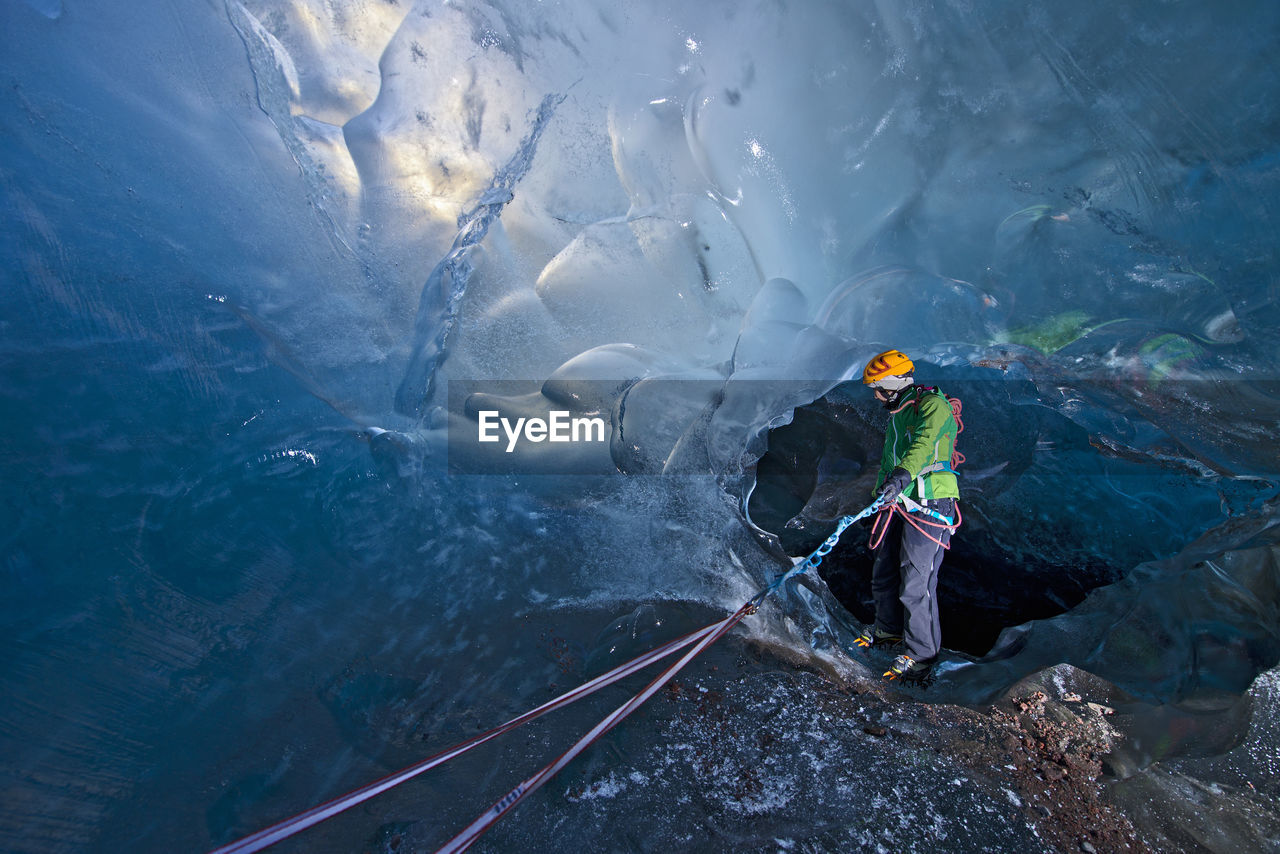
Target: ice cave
276,271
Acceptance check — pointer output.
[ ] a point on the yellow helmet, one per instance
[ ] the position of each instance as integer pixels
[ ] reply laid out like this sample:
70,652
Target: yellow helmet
890,363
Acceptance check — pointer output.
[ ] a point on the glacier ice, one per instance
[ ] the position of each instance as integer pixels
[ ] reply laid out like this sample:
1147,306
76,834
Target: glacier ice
265,260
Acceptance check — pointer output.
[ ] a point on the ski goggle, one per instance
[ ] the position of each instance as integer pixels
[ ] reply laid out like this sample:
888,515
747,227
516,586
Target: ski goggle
889,385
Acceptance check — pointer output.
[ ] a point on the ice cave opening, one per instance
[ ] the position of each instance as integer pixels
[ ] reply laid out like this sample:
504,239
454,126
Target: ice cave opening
985,586
1053,514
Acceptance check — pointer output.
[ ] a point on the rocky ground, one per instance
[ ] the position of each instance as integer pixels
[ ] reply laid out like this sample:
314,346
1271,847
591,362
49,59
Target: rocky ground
1050,750
749,754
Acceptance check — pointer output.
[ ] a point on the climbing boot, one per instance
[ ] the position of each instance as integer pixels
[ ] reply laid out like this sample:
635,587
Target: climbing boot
907,669
875,636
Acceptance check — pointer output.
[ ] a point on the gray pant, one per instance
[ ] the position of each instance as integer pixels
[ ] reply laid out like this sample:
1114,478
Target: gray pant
904,581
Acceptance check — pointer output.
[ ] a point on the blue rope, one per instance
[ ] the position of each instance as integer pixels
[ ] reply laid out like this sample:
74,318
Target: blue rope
815,557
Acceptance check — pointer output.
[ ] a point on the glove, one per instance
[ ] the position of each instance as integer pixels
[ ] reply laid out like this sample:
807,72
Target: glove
898,480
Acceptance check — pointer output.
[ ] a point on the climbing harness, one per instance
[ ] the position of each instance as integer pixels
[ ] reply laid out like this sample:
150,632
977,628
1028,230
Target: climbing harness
699,640
912,511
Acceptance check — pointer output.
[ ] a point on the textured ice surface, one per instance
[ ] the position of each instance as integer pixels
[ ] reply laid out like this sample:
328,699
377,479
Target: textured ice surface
250,246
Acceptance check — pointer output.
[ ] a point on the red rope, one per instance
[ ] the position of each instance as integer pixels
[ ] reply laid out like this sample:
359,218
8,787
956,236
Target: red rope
881,525
956,457
957,407
915,523
878,530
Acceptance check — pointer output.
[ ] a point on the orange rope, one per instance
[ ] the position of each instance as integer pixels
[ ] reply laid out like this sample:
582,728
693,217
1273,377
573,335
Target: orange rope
881,526
956,457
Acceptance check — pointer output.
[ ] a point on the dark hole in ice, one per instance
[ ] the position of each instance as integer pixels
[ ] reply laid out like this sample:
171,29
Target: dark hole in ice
999,572
976,599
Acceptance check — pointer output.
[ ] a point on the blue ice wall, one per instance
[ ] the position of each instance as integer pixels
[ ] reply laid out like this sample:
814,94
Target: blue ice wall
248,247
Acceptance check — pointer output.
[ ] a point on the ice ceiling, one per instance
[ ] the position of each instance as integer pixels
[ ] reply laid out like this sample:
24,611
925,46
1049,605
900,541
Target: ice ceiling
250,248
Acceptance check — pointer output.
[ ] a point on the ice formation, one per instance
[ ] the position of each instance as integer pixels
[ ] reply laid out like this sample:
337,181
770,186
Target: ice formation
267,261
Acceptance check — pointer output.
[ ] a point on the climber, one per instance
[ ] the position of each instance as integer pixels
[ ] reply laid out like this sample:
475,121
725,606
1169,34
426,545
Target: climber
917,464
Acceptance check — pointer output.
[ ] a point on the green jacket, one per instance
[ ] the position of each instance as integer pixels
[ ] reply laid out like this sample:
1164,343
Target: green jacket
920,438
